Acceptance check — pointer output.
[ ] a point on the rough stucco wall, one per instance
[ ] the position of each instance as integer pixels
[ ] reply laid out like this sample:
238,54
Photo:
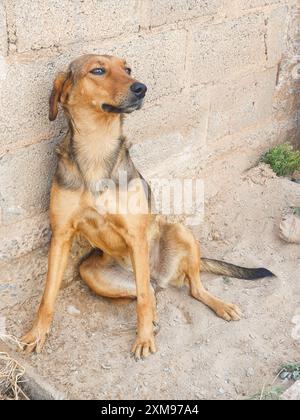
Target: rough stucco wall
221,91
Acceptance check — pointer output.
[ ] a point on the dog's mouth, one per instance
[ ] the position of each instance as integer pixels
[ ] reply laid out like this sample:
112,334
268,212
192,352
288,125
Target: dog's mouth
125,108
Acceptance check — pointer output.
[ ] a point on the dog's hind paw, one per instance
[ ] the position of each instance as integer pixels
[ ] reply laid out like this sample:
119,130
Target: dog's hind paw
229,312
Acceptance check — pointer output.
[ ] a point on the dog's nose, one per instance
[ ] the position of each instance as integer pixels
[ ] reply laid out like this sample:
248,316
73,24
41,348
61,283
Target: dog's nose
139,89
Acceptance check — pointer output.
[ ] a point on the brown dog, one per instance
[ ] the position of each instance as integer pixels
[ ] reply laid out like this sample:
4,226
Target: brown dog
94,93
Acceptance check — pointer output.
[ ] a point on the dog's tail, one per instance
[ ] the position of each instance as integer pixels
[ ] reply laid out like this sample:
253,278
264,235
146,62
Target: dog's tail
225,269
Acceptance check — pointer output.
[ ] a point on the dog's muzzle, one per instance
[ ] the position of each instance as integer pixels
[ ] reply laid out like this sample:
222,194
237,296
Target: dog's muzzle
133,103
125,108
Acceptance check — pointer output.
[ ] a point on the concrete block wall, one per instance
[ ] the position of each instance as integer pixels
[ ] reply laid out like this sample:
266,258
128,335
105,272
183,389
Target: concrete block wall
220,80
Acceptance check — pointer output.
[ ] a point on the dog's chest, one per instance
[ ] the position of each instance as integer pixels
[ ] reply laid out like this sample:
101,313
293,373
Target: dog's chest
105,218
98,223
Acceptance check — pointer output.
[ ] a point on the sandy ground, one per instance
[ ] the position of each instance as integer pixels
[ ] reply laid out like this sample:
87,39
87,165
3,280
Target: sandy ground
200,356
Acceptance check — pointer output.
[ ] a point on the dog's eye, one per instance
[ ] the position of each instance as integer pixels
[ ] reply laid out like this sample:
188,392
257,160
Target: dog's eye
100,71
128,70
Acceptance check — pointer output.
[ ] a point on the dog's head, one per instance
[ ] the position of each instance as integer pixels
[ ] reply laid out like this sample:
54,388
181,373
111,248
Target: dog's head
101,82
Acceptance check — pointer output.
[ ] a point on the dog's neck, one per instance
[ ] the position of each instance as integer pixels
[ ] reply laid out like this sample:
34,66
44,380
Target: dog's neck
96,142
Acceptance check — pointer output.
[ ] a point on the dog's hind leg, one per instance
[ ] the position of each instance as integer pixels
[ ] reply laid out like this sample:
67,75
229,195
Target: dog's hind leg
227,311
180,264
106,278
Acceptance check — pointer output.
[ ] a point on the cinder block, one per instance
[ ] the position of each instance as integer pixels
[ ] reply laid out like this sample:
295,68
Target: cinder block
240,103
22,278
25,276
276,41
158,60
23,237
294,30
34,386
23,267
25,178
175,143
3,34
169,114
178,151
24,98
62,22
293,393
167,12
163,116
227,48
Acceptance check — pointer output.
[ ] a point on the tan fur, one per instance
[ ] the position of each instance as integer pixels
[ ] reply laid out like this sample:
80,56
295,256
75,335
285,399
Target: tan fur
142,243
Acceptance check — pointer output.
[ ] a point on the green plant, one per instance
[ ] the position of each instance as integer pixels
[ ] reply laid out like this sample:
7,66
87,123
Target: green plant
296,211
283,159
293,369
272,393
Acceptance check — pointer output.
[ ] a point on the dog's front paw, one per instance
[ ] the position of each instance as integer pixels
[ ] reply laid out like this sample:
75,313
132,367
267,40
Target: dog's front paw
229,312
142,348
34,340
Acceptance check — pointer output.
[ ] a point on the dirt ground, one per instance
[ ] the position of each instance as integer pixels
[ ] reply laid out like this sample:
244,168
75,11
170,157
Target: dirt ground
199,356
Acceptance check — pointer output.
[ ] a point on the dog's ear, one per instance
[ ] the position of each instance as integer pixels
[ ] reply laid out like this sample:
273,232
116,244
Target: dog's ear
56,93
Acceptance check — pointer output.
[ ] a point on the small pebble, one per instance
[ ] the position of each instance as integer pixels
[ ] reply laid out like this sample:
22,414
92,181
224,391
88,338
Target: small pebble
72,310
221,391
250,372
285,375
105,367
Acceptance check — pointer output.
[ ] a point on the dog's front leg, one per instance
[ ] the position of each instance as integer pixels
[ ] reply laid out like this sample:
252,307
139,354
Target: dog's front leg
144,343
57,261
